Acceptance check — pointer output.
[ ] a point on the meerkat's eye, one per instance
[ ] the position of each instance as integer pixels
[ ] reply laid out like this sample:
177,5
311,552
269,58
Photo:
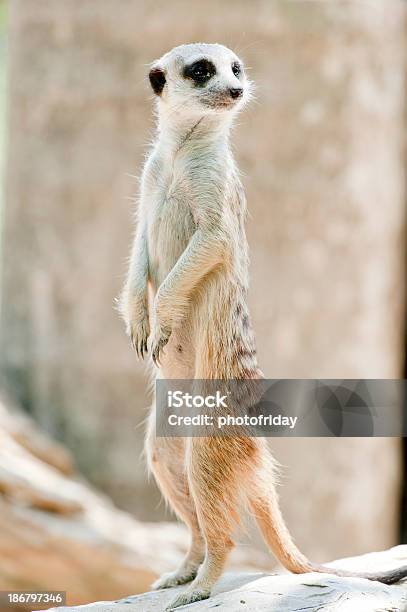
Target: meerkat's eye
200,71
236,69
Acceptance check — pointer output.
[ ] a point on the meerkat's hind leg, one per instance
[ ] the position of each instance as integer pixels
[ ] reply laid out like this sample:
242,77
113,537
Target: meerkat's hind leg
188,569
166,459
217,470
208,573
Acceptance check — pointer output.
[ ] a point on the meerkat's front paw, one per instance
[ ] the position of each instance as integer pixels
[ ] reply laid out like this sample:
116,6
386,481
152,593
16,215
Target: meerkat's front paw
159,340
133,308
139,332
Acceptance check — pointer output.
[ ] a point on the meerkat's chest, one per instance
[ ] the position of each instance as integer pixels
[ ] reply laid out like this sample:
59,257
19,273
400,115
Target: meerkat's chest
170,225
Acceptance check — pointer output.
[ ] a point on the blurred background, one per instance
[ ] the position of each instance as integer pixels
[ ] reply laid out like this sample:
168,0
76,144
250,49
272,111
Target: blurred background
322,151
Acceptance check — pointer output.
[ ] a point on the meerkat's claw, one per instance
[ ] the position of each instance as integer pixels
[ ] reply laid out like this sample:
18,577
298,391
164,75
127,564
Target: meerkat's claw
133,340
160,340
155,352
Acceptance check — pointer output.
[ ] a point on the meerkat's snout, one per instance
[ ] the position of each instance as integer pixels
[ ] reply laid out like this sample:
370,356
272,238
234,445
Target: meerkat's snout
236,92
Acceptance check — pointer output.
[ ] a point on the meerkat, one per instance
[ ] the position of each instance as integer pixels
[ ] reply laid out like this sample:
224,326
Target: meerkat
185,301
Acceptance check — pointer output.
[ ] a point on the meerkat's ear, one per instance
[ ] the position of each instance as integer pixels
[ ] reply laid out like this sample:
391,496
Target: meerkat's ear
157,79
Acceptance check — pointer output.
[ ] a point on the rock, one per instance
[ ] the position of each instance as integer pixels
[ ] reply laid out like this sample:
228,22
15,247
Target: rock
284,593
58,532
20,428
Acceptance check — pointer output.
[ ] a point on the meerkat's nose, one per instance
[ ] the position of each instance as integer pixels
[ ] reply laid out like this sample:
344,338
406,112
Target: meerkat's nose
236,92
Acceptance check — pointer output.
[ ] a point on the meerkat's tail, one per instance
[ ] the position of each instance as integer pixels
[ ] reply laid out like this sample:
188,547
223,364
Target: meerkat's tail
266,510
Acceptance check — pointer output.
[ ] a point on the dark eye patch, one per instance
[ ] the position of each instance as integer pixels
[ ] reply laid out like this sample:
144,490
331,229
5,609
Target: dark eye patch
236,69
200,72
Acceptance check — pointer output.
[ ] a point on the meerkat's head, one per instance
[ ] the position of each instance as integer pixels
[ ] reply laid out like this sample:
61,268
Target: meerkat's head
199,79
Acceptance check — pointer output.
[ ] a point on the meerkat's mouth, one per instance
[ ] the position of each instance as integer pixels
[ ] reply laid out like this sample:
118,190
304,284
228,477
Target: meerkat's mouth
223,102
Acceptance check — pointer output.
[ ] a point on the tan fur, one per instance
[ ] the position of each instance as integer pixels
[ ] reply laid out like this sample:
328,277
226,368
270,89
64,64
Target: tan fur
188,281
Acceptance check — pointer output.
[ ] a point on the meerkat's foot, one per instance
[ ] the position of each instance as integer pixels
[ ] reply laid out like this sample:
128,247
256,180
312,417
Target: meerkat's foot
191,595
173,579
159,340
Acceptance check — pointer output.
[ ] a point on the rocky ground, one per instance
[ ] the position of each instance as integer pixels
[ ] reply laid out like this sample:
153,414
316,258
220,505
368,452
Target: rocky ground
257,592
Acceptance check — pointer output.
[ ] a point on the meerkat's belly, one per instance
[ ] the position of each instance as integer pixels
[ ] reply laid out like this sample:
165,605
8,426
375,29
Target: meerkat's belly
178,357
